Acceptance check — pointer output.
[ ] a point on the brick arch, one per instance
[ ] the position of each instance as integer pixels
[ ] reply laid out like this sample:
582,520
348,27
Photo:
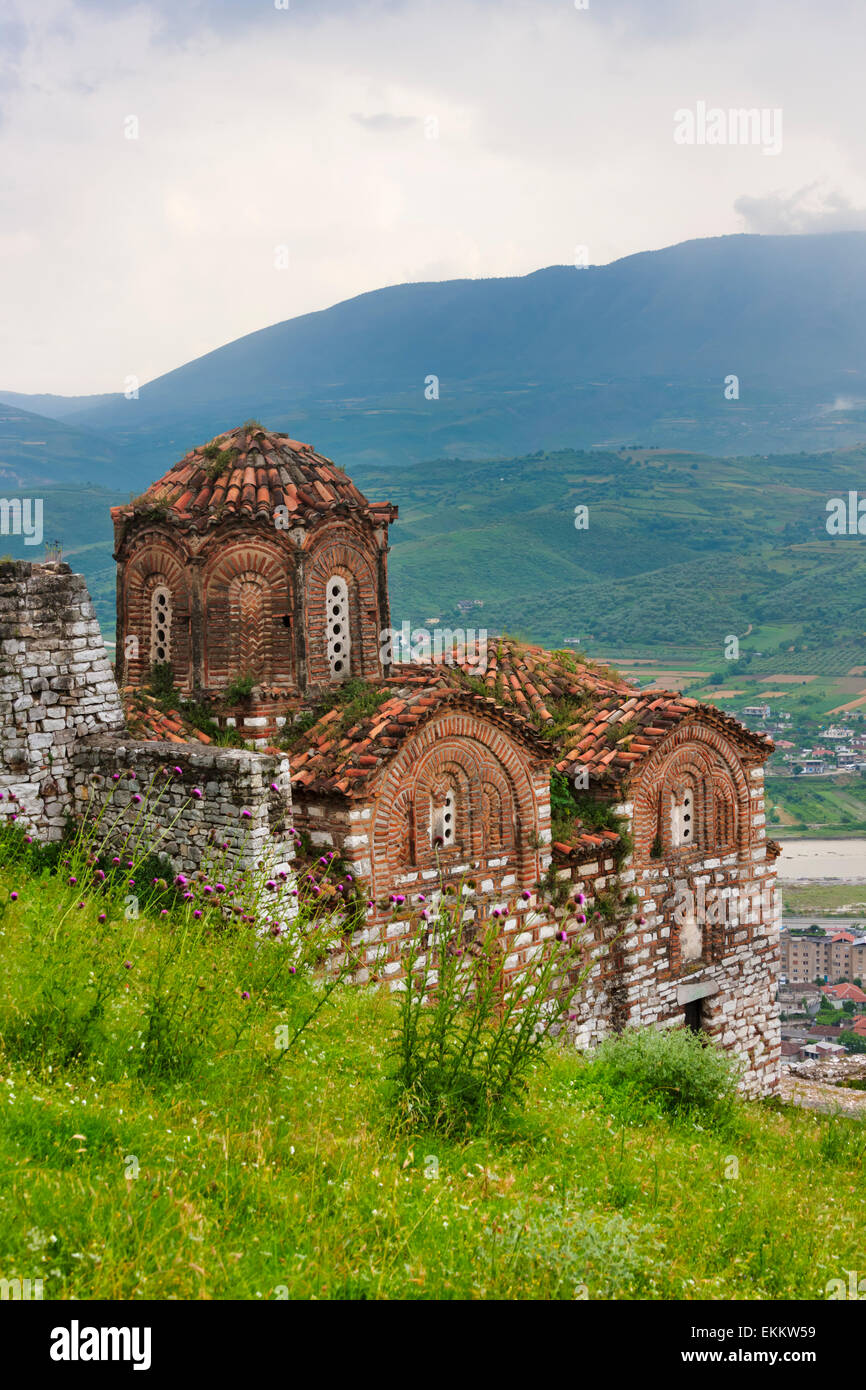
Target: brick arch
154,561
487,757
698,756
339,551
247,595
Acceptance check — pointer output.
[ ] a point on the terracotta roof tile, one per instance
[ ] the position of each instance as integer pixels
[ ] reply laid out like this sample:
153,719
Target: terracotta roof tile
251,471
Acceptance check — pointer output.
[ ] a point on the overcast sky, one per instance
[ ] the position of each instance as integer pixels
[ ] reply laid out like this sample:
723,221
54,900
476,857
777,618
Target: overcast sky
286,159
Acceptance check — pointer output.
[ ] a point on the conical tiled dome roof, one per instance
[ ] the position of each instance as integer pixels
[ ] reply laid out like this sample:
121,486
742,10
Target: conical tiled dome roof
249,472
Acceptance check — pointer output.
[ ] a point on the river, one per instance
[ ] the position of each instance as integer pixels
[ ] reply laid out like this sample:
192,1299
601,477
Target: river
841,860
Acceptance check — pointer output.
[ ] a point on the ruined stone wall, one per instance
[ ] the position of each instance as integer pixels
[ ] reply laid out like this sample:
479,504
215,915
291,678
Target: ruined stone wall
195,800
56,686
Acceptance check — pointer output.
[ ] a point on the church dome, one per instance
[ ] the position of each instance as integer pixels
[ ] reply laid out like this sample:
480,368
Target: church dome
249,472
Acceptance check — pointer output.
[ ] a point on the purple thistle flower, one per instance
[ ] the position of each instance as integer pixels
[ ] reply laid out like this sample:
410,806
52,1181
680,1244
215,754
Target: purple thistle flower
245,994
220,887
13,897
179,771
137,799
164,912
526,895
73,879
127,965
248,814
561,936
274,787
102,917
197,912
579,898
181,880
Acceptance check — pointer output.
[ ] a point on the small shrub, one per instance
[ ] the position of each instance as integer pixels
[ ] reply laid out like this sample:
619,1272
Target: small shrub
240,688
161,681
673,1067
564,1251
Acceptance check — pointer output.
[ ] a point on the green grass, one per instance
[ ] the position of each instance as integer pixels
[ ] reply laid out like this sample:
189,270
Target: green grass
235,1179
826,806
819,899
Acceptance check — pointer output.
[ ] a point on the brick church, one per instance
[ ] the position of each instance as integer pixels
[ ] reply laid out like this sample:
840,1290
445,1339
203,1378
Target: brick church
258,570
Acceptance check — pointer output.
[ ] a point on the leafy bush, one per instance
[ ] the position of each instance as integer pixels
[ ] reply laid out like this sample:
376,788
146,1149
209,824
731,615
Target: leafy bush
240,688
675,1068
161,680
469,1034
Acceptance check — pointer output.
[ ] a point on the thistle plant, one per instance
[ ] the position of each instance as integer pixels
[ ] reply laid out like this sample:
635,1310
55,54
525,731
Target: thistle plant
470,1028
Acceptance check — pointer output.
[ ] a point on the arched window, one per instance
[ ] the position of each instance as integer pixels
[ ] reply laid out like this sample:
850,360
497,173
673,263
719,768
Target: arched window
339,641
160,625
443,820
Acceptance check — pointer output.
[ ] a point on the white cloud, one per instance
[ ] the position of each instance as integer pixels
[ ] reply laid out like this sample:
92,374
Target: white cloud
377,142
814,208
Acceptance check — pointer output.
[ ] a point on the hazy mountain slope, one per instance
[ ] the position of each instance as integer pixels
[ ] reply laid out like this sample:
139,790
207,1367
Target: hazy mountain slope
565,357
35,450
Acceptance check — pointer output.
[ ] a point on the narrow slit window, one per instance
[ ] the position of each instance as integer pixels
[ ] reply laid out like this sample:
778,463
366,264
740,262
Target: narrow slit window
160,625
444,822
683,818
339,641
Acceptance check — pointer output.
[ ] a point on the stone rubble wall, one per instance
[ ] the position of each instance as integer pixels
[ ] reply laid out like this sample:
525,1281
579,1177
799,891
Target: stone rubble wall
189,828
56,686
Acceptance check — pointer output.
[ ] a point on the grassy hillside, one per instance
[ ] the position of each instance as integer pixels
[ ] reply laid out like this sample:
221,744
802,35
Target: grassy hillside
679,549
36,451
155,1146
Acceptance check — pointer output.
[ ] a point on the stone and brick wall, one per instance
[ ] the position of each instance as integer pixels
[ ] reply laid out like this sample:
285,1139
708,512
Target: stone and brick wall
653,959
56,686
